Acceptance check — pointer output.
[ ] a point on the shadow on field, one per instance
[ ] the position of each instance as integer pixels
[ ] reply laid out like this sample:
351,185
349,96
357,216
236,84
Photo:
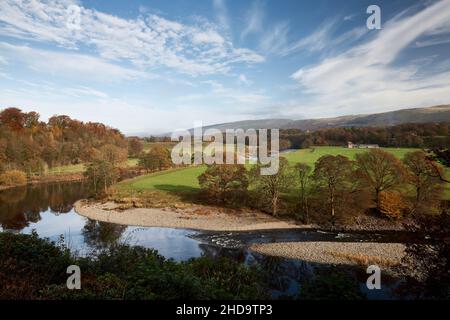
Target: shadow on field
176,188
185,193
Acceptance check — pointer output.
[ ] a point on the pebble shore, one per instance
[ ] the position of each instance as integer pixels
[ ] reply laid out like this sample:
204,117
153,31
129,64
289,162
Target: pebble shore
387,254
187,218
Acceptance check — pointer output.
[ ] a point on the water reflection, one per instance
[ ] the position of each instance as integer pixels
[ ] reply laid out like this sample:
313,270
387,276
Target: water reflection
102,234
21,206
48,209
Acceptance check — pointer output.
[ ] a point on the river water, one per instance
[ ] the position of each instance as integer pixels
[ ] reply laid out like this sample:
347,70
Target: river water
48,210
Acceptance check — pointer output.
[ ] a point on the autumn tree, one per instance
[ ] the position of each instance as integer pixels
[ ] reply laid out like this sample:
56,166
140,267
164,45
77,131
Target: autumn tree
101,174
135,147
270,187
30,145
332,174
441,155
380,171
303,174
391,204
430,263
424,175
157,158
113,154
284,144
13,118
224,183
13,178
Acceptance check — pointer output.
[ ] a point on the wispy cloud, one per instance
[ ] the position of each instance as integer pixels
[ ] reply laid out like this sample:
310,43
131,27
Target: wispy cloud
275,40
71,64
221,13
243,80
368,78
432,42
148,41
254,18
317,41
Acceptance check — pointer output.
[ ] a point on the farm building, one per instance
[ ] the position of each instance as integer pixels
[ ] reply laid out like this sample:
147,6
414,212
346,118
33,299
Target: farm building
352,145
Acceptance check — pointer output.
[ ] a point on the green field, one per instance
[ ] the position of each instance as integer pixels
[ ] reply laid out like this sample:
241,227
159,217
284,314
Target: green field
311,155
179,180
72,168
76,168
185,179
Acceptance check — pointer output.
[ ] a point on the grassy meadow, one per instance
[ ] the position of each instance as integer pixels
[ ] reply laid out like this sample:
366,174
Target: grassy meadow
311,155
184,180
79,168
178,180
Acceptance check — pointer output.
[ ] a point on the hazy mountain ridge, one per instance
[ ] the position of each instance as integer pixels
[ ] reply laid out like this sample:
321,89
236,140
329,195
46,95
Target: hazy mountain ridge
417,115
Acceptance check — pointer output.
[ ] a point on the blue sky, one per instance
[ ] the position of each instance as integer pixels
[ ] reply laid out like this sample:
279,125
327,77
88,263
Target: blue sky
155,66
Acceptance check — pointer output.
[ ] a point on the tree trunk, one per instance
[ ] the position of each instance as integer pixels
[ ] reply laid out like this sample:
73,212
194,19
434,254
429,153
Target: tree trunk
275,205
378,200
332,207
306,213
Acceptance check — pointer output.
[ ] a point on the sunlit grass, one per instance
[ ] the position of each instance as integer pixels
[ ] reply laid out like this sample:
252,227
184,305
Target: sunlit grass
186,179
78,168
182,179
311,155
72,168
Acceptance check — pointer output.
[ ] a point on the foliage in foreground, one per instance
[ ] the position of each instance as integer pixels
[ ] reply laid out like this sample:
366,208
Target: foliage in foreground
326,285
34,268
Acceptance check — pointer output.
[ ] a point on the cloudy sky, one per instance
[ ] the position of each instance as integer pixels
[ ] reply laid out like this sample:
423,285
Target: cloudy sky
158,65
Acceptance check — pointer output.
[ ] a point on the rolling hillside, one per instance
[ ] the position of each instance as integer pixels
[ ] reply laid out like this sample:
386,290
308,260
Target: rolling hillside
417,115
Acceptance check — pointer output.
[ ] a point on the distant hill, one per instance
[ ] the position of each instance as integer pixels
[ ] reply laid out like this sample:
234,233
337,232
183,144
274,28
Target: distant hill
417,115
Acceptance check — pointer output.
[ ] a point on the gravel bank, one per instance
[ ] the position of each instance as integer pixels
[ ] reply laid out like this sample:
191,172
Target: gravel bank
359,253
198,218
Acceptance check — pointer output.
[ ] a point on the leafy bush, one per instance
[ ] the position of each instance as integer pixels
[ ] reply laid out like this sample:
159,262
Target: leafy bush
391,205
13,178
34,268
100,175
225,183
331,285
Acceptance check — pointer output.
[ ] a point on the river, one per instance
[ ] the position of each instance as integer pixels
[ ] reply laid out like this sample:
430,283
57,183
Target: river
48,210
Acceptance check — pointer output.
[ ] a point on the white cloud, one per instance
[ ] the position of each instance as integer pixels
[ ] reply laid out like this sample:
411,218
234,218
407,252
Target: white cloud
432,42
209,36
149,40
254,17
349,17
243,80
70,64
3,61
236,95
317,41
366,79
275,40
130,117
222,13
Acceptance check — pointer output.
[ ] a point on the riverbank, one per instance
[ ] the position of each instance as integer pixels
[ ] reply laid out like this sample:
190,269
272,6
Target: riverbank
191,217
50,178
353,253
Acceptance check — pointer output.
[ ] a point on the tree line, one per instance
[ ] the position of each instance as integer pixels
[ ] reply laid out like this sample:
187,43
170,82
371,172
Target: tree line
410,135
375,181
32,145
